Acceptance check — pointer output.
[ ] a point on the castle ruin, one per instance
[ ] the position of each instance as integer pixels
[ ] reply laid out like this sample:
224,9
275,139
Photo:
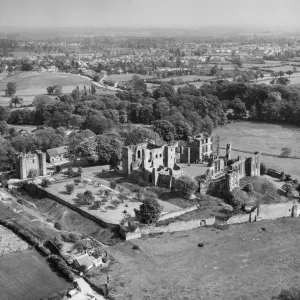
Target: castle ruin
30,161
200,158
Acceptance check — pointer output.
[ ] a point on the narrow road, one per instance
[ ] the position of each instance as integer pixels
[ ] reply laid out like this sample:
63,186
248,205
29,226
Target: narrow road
86,290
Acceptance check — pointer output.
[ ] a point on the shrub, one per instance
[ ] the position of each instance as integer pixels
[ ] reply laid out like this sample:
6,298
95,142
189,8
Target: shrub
77,181
70,188
186,184
58,169
88,197
58,225
248,188
45,182
32,173
282,176
286,152
263,169
115,202
96,205
70,172
149,211
113,185
80,170
85,182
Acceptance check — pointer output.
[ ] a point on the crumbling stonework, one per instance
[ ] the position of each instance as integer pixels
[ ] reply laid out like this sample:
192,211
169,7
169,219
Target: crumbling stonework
159,165
30,161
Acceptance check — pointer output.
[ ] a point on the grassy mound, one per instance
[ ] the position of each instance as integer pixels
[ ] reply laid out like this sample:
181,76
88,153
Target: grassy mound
264,192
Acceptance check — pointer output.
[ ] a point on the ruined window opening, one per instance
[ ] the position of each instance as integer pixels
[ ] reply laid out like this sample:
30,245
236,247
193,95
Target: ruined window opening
139,153
159,155
33,160
156,156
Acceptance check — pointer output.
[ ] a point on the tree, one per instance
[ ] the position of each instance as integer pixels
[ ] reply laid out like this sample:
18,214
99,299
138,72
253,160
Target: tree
283,81
140,134
70,188
11,89
289,72
80,170
149,211
281,73
16,100
58,169
288,188
263,169
93,89
248,188
70,172
186,184
57,89
165,129
50,90
32,173
183,130
286,152
88,197
294,69
4,113
45,182
3,128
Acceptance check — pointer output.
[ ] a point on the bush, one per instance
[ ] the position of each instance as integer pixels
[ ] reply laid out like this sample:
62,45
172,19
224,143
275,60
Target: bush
58,225
62,266
70,188
58,169
263,169
77,181
70,172
80,170
248,188
113,185
32,173
282,176
45,182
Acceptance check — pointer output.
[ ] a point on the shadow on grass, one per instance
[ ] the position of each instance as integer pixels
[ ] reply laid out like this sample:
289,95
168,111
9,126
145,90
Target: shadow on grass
64,193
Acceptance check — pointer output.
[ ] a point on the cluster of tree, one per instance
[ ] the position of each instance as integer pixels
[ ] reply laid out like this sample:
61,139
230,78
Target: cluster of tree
276,103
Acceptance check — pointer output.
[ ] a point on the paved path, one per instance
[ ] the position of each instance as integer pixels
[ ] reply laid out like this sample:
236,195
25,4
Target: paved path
86,290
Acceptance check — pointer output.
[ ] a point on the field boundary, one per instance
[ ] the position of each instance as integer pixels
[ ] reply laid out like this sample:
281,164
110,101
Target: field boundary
263,153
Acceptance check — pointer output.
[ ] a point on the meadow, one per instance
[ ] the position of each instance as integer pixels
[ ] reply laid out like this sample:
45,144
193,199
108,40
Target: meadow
27,276
264,137
30,84
241,262
125,77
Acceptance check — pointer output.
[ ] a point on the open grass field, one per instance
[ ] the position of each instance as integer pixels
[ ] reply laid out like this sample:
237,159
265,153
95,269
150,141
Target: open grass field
30,84
188,78
268,138
240,263
27,276
10,242
125,77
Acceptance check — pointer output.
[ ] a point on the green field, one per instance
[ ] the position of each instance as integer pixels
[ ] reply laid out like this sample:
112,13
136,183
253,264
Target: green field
30,84
126,77
268,138
27,276
240,263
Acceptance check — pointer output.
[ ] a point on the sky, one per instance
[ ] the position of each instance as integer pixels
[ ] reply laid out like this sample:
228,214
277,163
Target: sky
148,13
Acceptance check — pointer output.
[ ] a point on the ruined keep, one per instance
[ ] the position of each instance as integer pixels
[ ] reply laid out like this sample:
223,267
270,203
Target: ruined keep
30,161
163,164
202,147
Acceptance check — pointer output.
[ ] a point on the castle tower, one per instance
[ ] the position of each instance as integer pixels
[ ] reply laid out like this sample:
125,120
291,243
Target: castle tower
42,163
126,160
228,151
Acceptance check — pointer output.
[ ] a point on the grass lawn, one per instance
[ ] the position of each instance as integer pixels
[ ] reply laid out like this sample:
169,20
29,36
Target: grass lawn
30,84
126,77
269,138
10,242
27,276
242,262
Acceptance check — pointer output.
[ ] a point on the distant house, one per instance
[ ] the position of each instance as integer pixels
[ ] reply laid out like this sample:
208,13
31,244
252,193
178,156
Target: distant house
57,155
52,69
88,261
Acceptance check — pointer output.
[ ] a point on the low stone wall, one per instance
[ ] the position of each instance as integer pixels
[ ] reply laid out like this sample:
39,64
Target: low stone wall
267,212
177,213
172,227
238,219
273,173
